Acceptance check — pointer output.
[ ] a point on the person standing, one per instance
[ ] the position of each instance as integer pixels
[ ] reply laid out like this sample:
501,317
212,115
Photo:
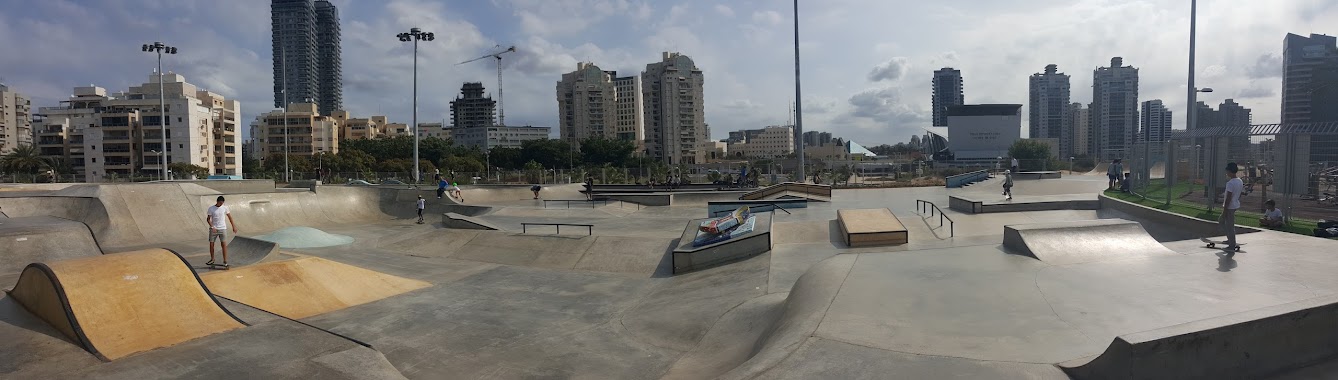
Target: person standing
589,187
218,230
441,186
1014,166
1231,202
1008,184
1113,174
422,204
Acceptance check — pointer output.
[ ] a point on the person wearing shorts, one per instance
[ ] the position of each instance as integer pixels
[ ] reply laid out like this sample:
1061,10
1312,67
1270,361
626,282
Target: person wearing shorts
1230,202
454,189
422,204
218,229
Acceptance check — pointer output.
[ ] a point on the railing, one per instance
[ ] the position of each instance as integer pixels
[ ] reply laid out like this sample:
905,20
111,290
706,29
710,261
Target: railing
589,228
807,188
966,178
921,206
717,214
569,201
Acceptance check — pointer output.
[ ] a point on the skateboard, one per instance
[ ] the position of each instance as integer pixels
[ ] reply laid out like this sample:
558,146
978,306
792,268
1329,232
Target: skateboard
223,266
1213,244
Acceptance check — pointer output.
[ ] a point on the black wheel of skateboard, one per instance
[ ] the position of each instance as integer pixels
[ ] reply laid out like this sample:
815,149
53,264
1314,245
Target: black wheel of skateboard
1211,245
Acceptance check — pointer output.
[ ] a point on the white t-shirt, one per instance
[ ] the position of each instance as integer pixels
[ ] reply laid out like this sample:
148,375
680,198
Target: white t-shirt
219,217
1274,214
1235,186
1014,162
422,203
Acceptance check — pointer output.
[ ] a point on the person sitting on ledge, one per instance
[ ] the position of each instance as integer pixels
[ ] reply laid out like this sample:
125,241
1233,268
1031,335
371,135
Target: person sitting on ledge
1125,184
1272,215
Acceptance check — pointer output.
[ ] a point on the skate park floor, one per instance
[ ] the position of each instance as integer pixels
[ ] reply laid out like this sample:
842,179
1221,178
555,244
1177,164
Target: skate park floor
501,304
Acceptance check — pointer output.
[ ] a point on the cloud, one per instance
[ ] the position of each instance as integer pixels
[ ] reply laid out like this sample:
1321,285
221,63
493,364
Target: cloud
768,18
1213,71
742,104
885,106
892,70
1257,92
1268,65
724,10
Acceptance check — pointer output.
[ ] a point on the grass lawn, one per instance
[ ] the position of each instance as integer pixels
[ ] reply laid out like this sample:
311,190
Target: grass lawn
1156,198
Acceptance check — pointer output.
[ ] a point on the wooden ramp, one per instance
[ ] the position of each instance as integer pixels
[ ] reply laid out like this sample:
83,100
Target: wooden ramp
871,227
119,304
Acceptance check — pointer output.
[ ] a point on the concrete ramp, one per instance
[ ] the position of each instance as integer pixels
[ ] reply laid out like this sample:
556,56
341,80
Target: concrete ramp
1250,345
788,190
1082,241
120,304
306,286
457,221
246,251
35,239
1100,169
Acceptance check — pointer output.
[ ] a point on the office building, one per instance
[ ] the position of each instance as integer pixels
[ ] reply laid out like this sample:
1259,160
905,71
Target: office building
947,91
15,119
437,130
1231,114
471,109
818,138
983,132
1114,110
1080,123
305,38
587,104
308,132
630,110
497,136
1046,116
675,116
770,142
1310,93
119,135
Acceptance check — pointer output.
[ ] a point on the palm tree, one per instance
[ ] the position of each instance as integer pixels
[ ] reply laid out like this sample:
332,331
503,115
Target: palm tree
24,159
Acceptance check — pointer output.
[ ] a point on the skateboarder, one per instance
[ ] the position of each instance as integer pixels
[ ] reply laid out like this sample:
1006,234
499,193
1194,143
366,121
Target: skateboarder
218,229
1008,184
422,204
1014,166
1231,202
1272,215
454,189
536,189
441,186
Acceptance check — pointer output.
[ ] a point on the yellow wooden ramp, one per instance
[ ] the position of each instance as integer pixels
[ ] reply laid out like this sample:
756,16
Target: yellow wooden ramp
871,227
307,286
119,304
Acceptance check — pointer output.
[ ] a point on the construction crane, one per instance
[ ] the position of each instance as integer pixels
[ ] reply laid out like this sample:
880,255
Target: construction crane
501,113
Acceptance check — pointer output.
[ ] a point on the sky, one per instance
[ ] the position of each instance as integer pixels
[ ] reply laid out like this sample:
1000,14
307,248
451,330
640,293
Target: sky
866,64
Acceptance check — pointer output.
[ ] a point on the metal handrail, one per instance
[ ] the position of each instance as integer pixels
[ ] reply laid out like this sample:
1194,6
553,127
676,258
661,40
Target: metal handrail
591,201
590,228
778,207
921,208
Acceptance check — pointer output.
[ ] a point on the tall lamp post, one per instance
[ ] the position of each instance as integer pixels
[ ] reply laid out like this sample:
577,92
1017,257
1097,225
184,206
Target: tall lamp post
160,48
798,101
415,35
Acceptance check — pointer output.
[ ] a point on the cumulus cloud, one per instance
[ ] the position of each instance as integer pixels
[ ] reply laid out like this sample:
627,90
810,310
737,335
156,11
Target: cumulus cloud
885,106
771,18
724,10
892,70
1267,65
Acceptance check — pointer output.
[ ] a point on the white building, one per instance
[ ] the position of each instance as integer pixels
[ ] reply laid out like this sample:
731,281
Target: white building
770,142
1114,110
1046,109
675,116
308,132
491,137
15,119
983,131
587,104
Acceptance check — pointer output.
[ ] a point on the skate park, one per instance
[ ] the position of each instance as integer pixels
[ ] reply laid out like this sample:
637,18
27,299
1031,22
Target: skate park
107,281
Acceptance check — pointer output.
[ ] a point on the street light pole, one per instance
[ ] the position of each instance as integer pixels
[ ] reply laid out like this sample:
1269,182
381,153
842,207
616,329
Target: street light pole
798,101
415,35
160,48
1191,106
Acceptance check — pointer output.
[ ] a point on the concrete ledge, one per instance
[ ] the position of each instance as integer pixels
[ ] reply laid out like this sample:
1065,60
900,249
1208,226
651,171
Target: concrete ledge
1248,345
1080,241
716,209
795,189
966,178
457,221
1193,226
674,198
1037,175
980,205
687,258
466,210
871,227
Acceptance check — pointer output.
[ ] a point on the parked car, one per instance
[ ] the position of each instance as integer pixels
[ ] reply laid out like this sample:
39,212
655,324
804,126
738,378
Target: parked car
358,182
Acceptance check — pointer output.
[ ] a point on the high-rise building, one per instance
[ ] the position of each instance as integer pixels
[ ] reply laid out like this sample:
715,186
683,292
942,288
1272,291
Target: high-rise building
119,135
587,104
1231,114
15,119
1080,127
471,109
1156,126
1114,110
1310,90
1049,96
306,53
819,138
630,110
674,107
947,91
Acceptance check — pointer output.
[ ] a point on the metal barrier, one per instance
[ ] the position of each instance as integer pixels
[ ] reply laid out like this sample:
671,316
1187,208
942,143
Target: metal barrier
726,212
569,201
966,178
589,228
921,206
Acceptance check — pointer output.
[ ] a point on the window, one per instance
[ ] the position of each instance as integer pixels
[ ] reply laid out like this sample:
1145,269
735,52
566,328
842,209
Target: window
95,160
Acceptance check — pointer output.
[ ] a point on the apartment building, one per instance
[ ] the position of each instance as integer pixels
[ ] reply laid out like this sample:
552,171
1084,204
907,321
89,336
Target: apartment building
497,136
947,91
674,110
1114,110
587,104
15,119
1048,99
770,142
308,132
